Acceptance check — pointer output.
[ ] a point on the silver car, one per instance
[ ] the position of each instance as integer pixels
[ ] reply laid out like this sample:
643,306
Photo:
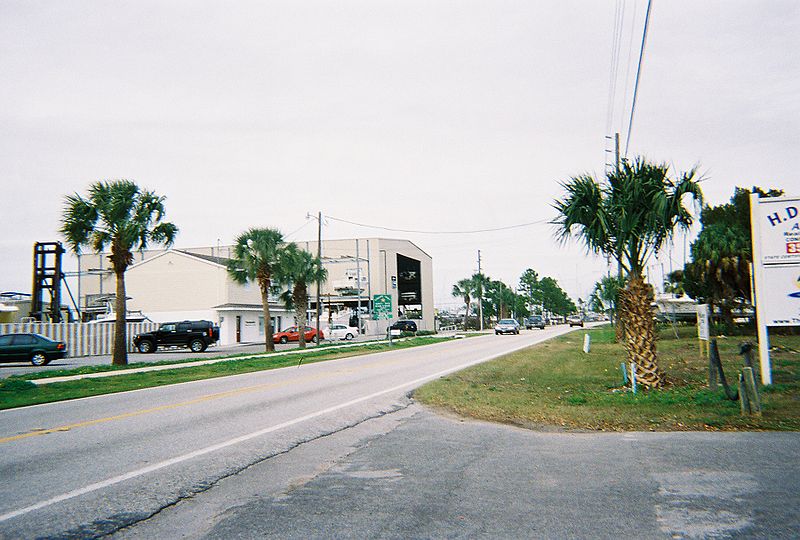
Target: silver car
506,326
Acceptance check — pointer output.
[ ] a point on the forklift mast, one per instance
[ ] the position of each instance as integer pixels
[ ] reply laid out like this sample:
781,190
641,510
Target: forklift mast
47,277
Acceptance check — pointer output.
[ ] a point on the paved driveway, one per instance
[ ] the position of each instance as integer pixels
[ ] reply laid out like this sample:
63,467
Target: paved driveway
416,474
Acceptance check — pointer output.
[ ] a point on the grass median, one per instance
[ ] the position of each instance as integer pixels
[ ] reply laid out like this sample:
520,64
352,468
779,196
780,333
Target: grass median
18,391
555,386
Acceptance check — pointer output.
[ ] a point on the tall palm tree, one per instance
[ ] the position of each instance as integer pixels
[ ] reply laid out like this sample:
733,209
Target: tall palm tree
119,214
629,218
464,289
296,270
255,257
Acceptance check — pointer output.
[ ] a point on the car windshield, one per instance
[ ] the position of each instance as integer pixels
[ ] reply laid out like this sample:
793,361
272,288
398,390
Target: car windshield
508,321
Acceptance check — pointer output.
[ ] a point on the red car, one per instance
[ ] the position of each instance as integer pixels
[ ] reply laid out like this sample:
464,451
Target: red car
291,334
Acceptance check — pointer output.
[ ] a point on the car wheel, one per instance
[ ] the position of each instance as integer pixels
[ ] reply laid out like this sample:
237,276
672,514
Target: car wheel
197,345
348,337
284,340
315,339
39,359
146,346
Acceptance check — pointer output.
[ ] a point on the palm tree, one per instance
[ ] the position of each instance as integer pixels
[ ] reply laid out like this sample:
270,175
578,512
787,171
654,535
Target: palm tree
464,289
629,218
296,270
119,214
605,294
255,257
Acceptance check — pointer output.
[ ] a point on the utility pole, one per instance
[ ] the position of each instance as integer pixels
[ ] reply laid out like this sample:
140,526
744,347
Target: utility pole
319,256
480,292
358,287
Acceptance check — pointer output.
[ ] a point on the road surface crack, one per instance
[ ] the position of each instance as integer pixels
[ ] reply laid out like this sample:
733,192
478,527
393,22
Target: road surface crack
120,522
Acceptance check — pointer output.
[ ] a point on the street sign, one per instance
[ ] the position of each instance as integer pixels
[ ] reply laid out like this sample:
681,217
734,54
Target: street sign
382,306
703,332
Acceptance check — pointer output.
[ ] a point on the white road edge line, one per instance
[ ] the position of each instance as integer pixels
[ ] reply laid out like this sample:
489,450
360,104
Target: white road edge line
213,448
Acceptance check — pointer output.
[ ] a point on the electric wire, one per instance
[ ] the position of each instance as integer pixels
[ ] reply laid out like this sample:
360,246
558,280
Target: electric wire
619,17
638,74
628,67
297,230
517,226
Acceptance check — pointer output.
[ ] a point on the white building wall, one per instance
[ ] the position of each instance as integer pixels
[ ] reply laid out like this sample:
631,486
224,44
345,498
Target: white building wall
175,282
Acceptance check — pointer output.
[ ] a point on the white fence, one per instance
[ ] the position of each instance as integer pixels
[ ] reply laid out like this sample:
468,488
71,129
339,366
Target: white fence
82,339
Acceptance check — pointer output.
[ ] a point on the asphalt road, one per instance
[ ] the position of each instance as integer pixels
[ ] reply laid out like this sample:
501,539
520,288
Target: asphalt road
416,474
340,450
89,467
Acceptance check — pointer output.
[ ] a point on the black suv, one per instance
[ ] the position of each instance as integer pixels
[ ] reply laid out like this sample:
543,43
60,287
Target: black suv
197,335
534,321
404,326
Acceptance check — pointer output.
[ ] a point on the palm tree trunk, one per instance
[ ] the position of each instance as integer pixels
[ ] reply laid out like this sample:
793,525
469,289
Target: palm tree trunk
466,315
120,355
619,328
263,284
300,314
640,339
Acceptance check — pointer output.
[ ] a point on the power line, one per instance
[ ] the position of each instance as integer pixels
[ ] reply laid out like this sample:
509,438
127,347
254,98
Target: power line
439,232
638,73
619,17
628,66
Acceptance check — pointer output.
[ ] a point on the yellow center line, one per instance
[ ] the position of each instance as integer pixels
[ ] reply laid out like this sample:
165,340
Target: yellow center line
201,399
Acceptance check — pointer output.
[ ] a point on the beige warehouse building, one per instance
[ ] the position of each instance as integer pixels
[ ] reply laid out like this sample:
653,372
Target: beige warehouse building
179,284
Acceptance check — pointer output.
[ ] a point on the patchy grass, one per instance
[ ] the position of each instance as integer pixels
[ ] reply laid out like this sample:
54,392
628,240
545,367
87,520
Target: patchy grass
556,385
17,391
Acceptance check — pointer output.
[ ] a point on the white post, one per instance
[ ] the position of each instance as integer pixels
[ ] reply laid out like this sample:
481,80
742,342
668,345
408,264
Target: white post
587,343
763,333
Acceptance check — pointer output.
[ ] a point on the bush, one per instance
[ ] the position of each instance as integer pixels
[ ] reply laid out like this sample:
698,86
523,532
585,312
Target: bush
426,333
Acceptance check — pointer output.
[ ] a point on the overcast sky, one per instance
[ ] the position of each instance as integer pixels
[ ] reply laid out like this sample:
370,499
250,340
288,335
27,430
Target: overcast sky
422,115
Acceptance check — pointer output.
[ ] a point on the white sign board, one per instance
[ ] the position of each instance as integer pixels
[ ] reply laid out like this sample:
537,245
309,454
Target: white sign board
779,230
780,299
775,227
702,322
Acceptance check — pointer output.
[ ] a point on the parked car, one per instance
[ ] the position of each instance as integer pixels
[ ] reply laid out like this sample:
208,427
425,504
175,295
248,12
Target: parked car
341,331
575,320
196,335
33,348
292,334
534,321
506,326
404,326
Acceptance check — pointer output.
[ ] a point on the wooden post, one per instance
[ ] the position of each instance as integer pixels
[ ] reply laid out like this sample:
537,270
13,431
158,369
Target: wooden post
751,390
744,402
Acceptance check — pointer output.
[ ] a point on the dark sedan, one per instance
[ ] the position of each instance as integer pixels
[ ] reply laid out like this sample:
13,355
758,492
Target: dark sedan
33,348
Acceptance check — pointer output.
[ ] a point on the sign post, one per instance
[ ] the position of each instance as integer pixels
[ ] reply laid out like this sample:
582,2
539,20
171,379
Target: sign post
703,327
775,228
